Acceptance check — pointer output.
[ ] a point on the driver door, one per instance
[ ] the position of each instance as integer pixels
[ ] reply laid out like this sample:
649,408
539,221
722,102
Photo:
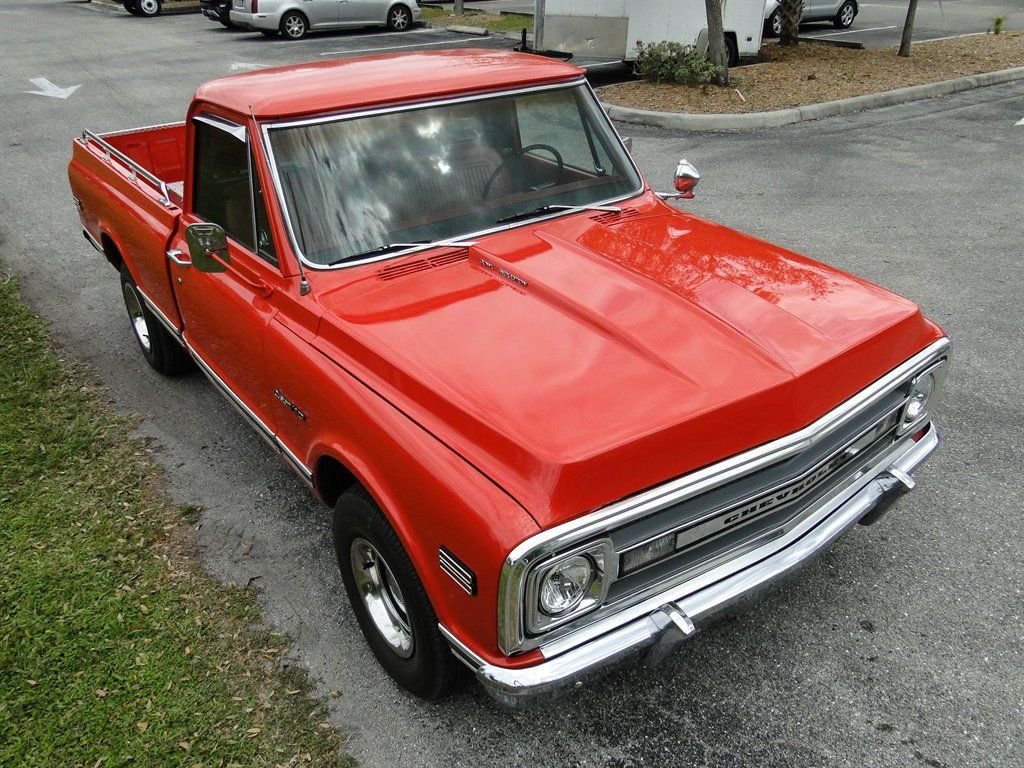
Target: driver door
226,313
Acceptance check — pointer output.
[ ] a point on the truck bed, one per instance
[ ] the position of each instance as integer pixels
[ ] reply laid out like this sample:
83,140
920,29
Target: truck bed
128,186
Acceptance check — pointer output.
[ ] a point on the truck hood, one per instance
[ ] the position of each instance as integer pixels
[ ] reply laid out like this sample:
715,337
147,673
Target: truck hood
578,361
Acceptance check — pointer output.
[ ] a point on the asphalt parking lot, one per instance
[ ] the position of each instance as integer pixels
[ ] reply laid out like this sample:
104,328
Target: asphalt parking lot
879,23
903,646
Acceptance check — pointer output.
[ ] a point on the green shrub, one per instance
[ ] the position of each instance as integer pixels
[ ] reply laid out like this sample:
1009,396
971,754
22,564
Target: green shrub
670,62
997,25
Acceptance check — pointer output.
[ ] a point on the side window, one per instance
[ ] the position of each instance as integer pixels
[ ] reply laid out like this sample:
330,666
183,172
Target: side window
264,240
224,191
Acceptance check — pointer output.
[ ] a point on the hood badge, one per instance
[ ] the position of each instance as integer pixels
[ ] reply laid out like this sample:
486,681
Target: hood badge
503,273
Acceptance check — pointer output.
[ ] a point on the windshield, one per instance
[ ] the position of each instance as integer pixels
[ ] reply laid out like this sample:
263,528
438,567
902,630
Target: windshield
353,187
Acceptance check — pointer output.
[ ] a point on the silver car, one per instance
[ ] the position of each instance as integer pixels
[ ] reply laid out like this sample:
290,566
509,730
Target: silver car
840,12
294,18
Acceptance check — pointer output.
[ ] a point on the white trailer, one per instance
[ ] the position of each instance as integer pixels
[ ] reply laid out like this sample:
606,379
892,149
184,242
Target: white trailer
611,28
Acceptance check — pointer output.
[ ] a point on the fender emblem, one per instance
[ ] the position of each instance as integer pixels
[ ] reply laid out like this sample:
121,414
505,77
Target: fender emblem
289,404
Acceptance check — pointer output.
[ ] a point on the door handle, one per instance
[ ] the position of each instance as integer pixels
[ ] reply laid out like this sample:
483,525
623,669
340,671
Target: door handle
175,256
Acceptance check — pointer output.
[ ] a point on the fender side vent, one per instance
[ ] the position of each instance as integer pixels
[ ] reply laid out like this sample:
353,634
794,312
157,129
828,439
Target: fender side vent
421,265
611,217
458,570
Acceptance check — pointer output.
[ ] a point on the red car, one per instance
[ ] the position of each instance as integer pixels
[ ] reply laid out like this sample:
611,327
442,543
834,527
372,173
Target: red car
559,421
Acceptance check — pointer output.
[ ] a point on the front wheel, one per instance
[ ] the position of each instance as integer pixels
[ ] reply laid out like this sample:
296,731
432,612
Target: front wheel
399,18
129,5
388,599
774,24
161,350
294,25
847,13
148,8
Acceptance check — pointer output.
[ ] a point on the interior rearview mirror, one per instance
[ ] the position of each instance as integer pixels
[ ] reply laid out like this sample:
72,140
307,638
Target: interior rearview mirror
208,247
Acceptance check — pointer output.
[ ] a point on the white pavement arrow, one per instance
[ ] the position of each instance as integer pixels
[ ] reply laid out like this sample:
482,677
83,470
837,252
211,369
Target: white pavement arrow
1020,122
245,66
46,88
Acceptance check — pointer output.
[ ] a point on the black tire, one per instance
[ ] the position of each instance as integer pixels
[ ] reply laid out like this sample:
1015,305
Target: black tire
427,667
399,18
294,25
847,13
148,8
773,27
226,21
129,5
161,350
732,54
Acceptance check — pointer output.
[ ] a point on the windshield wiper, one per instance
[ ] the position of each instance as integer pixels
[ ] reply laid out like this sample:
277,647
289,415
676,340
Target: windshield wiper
418,245
546,208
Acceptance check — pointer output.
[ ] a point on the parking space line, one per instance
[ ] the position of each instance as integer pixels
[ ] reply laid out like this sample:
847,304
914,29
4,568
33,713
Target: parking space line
424,31
853,31
475,40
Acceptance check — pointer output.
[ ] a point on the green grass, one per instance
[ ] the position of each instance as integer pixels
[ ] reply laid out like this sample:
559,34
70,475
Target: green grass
494,22
115,649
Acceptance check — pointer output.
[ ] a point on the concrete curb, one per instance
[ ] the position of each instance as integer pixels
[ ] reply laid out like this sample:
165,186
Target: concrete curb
478,31
745,122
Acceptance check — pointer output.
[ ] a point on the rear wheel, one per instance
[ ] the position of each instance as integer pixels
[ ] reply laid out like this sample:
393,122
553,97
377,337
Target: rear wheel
847,13
388,599
294,25
129,5
399,18
161,350
148,8
774,25
732,54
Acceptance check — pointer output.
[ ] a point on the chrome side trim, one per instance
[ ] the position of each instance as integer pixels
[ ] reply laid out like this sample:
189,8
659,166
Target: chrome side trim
460,574
279,187
262,429
511,588
164,320
143,129
675,615
92,240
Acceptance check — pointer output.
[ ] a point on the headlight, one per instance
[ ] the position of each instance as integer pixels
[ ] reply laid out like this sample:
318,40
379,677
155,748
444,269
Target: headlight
916,409
565,585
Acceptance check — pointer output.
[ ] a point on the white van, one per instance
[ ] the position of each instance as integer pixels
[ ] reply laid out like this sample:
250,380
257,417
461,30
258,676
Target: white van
611,28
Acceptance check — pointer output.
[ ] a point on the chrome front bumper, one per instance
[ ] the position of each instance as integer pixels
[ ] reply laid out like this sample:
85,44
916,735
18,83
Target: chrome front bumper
672,617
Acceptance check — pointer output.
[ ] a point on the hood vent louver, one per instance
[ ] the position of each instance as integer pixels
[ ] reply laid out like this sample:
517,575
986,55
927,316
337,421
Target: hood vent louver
611,217
421,265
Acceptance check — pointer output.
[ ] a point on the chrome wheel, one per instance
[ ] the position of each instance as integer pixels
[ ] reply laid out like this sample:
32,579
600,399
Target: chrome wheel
382,597
148,7
294,26
399,19
138,319
776,21
846,15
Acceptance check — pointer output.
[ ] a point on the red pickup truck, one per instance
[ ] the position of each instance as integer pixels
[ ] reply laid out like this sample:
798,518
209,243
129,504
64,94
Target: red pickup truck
559,421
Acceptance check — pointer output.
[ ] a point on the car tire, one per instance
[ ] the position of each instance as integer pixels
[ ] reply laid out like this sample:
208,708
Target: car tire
294,25
129,5
773,27
226,21
148,8
399,18
388,599
847,13
161,350
732,54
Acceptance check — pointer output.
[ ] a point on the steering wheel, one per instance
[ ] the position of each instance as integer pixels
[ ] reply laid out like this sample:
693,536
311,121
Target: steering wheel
516,154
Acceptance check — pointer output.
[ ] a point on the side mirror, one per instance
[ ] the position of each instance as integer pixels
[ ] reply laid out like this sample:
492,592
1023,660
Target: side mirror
208,247
687,177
